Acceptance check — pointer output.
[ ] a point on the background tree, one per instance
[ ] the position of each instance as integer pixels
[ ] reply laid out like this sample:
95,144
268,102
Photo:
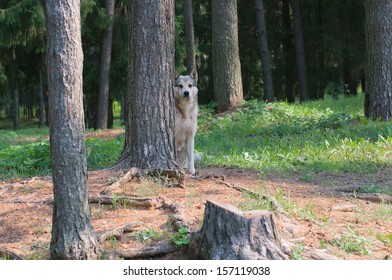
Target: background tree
72,233
225,54
378,103
189,36
106,55
264,52
149,122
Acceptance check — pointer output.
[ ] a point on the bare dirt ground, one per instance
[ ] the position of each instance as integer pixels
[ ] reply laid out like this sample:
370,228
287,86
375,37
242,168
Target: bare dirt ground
325,214
317,215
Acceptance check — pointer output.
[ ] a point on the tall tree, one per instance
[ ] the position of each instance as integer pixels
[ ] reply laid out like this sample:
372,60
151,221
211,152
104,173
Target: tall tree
225,54
288,53
106,55
299,50
378,24
264,52
72,233
149,120
189,36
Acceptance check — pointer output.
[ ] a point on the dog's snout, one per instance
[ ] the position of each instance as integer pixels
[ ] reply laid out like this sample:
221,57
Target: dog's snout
186,93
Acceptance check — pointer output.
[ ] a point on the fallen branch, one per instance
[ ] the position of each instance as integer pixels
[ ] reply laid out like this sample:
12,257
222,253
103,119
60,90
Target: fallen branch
131,174
124,200
163,247
274,205
117,232
374,197
177,219
9,255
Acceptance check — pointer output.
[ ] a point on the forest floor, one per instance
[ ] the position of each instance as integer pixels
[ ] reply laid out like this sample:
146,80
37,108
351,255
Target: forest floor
323,214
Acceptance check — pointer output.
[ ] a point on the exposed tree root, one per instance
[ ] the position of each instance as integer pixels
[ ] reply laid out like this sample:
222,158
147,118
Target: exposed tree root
274,205
6,189
172,174
125,201
131,174
9,255
163,247
117,232
177,219
374,197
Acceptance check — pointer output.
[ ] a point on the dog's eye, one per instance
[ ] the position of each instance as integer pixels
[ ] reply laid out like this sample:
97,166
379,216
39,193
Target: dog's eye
190,85
180,86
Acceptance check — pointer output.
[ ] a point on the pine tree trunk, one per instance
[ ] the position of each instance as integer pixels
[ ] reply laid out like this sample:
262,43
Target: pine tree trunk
264,52
16,108
299,51
289,53
378,63
41,121
189,36
72,233
149,113
106,54
229,234
225,54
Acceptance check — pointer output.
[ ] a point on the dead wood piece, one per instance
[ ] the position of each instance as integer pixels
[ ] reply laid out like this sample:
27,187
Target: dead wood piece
124,200
374,197
6,189
345,208
230,234
9,255
117,232
274,205
177,220
131,174
163,247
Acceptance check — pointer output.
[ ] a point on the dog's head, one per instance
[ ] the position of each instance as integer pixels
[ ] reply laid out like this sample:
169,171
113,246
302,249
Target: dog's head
185,87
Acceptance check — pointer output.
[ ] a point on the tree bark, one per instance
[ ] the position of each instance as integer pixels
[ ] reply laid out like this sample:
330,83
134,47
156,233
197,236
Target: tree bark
106,54
225,54
378,63
229,234
264,52
189,37
149,120
72,233
41,121
299,51
289,53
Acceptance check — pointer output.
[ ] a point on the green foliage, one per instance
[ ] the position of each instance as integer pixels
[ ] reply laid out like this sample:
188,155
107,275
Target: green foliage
327,135
181,238
145,235
353,243
386,239
102,154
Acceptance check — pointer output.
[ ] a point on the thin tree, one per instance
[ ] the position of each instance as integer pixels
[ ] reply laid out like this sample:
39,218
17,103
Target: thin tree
225,54
299,51
264,52
149,114
72,233
189,36
378,68
106,54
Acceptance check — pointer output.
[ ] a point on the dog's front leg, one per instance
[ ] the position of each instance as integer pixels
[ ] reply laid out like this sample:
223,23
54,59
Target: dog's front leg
191,160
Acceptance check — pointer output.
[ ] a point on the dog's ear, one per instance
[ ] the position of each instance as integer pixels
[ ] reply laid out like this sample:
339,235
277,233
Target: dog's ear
193,74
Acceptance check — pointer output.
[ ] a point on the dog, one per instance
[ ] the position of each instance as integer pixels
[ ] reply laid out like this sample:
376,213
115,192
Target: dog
185,97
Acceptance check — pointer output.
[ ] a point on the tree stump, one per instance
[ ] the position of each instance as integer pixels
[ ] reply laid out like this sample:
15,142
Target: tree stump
230,234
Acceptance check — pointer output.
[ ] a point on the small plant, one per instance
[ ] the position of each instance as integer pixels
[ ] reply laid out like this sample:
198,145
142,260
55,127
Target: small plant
298,250
386,239
353,243
145,235
40,251
181,238
113,242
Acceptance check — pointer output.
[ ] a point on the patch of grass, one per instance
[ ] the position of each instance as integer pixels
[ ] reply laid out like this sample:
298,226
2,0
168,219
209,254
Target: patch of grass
298,250
40,251
386,239
353,243
375,188
146,235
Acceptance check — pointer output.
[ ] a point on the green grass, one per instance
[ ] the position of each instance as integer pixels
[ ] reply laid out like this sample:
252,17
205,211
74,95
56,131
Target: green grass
310,137
320,136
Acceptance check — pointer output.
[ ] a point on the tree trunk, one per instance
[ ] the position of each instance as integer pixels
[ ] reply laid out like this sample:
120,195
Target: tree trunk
149,120
299,51
72,233
229,234
41,100
189,36
225,54
16,107
106,54
264,52
289,53
378,61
